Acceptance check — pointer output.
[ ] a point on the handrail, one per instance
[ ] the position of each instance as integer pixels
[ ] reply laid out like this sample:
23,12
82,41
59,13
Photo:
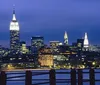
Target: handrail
28,77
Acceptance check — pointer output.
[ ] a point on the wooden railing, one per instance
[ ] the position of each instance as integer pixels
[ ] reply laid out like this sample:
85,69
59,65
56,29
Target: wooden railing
76,77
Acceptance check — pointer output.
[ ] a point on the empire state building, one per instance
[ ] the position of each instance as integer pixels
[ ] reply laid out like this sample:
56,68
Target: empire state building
14,34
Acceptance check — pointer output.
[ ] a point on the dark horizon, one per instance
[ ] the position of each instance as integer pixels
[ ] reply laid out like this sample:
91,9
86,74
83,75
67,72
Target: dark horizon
51,19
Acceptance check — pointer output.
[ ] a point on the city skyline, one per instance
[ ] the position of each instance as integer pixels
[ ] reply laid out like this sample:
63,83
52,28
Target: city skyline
38,21
43,40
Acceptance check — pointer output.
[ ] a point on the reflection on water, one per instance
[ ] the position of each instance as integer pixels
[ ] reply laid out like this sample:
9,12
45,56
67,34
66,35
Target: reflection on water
58,76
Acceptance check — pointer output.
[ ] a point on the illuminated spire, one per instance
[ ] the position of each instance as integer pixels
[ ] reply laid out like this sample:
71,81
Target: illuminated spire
86,42
86,36
14,25
65,38
14,15
65,35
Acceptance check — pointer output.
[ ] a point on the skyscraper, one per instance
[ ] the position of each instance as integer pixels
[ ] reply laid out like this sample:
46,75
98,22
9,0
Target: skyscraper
23,48
80,43
65,38
54,45
37,41
86,41
14,34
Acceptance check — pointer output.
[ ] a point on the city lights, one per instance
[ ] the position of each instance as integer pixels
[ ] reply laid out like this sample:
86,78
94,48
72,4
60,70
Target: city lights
55,54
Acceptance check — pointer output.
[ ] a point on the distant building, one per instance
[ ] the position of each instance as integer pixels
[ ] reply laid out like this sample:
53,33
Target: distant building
86,41
23,48
54,45
80,43
29,49
36,43
65,38
95,48
77,46
14,34
60,60
64,48
46,60
3,51
45,57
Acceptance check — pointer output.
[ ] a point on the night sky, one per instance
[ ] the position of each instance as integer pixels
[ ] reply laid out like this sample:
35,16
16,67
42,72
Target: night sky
50,18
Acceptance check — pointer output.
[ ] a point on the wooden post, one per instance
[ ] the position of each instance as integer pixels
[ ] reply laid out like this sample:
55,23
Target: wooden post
52,77
3,78
73,77
28,80
80,77
92,77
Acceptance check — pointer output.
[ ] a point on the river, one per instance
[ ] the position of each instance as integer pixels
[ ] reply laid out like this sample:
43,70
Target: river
58,76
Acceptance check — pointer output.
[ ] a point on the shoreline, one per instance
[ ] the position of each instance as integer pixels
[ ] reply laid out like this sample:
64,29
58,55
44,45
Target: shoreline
47,69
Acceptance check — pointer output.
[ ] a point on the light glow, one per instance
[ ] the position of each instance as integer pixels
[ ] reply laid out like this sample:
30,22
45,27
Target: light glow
86,42
66,38
14,17
14,26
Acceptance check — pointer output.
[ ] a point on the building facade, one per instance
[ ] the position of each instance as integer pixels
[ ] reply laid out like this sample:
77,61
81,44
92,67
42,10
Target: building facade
14,34
37,42
45,57
23,48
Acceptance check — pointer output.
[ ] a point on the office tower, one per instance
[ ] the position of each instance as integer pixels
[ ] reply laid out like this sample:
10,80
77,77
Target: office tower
37,41
80,43
23,48
54,44
14,34
86,41
65,38
3,51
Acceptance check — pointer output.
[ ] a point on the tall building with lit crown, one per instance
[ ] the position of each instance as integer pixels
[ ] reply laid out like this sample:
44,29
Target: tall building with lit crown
86,41
14,34
65,38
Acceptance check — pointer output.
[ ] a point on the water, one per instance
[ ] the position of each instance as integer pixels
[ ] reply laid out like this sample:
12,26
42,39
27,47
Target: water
58,76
